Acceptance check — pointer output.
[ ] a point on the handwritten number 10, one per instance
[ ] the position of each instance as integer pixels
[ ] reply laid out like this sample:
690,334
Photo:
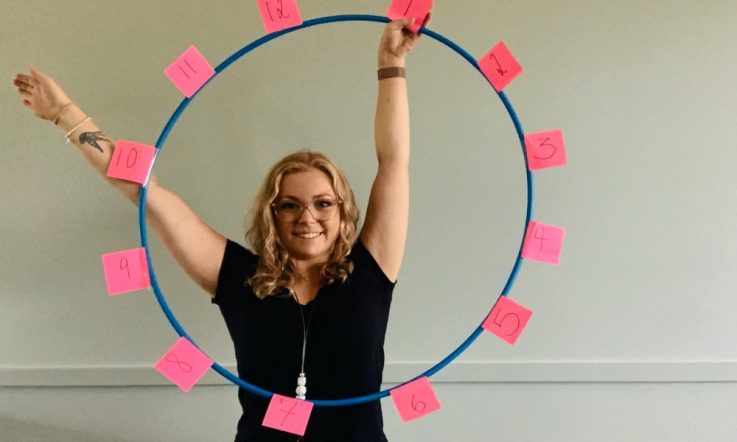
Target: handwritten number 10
131,160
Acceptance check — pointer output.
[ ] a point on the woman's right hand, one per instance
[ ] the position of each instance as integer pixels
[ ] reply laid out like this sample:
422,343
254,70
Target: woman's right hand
41,94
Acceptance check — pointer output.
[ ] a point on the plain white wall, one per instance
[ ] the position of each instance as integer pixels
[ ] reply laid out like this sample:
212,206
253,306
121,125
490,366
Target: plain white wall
643,297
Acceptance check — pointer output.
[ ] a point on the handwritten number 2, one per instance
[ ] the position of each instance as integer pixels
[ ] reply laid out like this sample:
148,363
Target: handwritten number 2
499,69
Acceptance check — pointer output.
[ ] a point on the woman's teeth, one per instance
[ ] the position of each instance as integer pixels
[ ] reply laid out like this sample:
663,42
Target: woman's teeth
309,235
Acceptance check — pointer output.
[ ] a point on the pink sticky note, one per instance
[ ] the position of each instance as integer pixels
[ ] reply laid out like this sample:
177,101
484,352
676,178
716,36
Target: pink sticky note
131,161
287,414
410,8
279,14
507,319
189,71
184,364
125,271
415,399
543,242
500,66
545,149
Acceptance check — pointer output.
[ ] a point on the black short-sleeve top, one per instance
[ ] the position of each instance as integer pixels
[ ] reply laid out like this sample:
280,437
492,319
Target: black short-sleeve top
345,346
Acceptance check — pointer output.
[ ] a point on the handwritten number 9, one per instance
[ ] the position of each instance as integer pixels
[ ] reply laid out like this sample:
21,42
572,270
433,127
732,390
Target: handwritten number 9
124,266
514,317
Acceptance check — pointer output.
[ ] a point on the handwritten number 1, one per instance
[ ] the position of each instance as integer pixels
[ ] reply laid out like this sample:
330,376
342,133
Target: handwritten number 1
408,6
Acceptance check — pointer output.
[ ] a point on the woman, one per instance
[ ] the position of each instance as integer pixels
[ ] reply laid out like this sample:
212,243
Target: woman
312,303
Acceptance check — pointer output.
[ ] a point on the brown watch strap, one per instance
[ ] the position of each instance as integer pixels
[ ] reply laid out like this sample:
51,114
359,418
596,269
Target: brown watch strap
390,72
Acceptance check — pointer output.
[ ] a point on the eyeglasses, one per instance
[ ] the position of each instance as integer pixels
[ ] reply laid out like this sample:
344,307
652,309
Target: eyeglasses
321,209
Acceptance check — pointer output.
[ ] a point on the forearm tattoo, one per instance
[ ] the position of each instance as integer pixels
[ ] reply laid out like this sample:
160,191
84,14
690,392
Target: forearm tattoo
92,138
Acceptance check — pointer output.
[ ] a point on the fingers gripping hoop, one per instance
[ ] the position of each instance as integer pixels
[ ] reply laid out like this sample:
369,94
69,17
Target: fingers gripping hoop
221,67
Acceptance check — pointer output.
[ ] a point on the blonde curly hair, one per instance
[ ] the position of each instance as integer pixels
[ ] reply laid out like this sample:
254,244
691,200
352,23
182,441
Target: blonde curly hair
275,270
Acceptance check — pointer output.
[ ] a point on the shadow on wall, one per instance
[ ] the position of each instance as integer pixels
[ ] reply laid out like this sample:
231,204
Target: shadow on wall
17,430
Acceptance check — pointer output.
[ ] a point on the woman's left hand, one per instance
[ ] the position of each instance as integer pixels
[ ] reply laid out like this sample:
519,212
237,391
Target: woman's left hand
397,41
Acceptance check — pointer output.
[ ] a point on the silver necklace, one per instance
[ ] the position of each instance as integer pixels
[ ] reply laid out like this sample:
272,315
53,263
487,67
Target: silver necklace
301,389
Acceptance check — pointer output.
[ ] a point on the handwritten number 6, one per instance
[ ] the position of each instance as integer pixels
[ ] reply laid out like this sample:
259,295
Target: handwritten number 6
419,406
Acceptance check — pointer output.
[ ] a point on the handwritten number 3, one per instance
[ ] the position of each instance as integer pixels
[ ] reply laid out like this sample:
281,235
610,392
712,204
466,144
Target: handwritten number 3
545,142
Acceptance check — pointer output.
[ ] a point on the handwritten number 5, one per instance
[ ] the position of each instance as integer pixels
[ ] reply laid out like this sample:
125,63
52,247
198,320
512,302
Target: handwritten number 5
513,315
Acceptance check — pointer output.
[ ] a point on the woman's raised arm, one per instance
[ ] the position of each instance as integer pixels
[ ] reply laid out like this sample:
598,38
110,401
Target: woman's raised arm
385,229
195,246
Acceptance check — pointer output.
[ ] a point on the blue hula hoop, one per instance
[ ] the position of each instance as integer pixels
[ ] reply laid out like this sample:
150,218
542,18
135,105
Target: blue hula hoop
221,67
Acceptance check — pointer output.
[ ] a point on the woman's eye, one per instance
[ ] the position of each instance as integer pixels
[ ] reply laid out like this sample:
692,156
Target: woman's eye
288,206
323,204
